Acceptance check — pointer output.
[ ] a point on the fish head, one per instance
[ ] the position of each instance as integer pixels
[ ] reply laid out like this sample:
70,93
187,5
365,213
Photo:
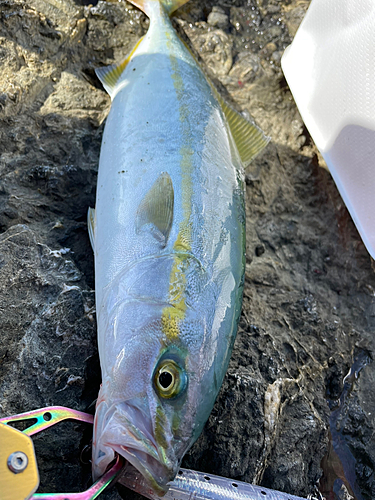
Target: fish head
154,401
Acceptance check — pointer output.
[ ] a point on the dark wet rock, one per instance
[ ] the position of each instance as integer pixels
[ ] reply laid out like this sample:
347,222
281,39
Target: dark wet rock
48,339
218,18
285,417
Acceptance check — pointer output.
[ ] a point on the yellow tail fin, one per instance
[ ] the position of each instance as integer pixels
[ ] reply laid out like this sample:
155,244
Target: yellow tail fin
169,5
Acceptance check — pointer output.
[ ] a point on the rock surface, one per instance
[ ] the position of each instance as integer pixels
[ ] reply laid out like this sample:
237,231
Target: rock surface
297,405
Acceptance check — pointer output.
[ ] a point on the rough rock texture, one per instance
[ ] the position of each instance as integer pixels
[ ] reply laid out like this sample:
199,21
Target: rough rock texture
286,417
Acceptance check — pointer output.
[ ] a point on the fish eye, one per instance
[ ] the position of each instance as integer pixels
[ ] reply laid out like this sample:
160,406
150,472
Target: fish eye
169,379
165,379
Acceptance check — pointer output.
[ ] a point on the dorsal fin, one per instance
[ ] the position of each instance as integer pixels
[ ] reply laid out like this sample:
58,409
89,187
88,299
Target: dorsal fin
91,226
249,139
110,75
155,212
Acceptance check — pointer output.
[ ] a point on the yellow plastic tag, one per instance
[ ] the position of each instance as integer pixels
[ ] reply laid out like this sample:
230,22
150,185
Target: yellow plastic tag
19,477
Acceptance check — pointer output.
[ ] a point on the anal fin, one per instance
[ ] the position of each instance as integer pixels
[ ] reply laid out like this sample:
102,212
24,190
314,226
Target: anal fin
91,226
110,75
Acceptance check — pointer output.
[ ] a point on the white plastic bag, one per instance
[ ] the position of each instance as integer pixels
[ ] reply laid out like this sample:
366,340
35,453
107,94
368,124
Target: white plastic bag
330,69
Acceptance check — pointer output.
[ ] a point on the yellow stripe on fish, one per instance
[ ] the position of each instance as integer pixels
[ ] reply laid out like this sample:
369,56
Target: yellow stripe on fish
172,315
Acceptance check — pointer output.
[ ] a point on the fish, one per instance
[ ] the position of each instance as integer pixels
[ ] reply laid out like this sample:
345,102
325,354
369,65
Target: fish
168,235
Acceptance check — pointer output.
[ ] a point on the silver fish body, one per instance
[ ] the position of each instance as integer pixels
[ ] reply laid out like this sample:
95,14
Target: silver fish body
169,250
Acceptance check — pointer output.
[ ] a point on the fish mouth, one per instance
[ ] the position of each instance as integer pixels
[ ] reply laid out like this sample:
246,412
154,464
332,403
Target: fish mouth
124,428
155,473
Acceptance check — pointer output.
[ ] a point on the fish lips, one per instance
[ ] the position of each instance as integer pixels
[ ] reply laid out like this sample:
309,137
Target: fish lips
125,429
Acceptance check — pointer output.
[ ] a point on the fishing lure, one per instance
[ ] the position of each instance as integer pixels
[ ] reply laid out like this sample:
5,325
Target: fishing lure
193,485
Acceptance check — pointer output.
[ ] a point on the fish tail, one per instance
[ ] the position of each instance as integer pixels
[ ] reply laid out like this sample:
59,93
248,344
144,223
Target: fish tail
110,75
169,5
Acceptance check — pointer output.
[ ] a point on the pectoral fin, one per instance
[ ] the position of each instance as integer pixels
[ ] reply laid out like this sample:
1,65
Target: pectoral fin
155,212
